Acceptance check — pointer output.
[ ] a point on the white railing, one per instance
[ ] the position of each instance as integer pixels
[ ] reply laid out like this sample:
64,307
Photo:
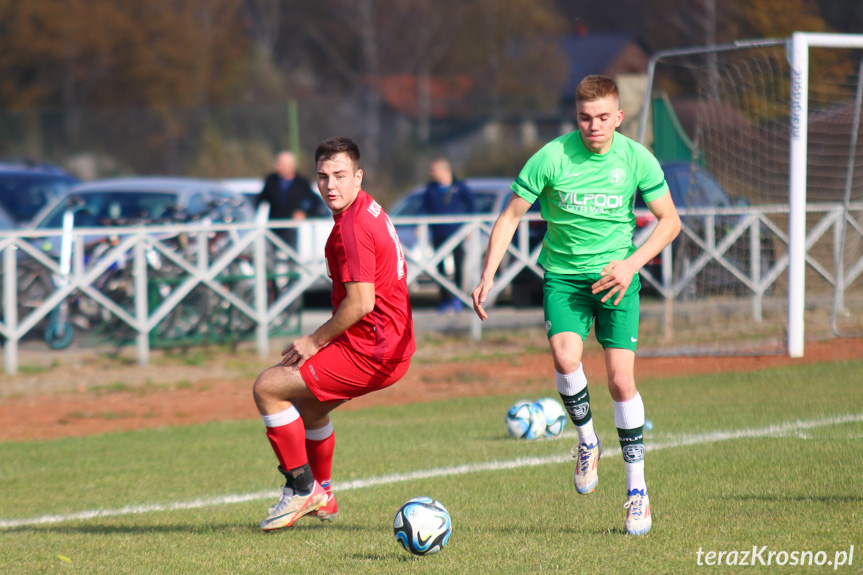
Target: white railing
118,271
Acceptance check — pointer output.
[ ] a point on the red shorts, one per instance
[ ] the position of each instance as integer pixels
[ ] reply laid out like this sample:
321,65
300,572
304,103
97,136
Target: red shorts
337,372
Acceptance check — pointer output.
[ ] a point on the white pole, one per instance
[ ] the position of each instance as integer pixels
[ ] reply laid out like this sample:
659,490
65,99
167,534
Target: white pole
799,60
828,40
142,311
260,294
10,305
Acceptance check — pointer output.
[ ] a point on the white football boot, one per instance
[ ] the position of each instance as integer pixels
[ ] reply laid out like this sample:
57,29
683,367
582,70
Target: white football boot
638,519
292,506
586,477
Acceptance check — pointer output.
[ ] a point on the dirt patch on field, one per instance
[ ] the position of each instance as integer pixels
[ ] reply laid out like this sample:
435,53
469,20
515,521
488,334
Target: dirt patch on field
86,396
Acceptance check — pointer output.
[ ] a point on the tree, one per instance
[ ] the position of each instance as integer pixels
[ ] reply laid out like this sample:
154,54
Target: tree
80,55
356,43
137,52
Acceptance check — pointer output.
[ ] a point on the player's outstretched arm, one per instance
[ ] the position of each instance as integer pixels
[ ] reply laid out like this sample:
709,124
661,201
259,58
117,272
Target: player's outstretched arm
359,301
501,236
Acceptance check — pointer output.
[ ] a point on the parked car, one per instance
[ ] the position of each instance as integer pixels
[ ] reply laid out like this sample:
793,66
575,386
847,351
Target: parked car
7,222
25,187
130,202
143,200
491,195
310,239
692,186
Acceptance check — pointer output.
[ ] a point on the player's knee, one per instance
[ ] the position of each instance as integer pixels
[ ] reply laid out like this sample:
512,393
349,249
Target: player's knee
566,362
621,387
278,383
258,390
265,385
566,351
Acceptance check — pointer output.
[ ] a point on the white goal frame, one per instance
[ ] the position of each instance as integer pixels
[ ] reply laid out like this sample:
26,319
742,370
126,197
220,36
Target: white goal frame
797,48
798,57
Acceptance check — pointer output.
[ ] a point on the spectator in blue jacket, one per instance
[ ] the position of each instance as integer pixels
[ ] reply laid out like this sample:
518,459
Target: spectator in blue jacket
447,196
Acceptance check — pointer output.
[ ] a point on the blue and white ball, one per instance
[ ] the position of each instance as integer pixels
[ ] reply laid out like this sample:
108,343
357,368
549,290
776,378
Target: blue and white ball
422,526
555,416
525,420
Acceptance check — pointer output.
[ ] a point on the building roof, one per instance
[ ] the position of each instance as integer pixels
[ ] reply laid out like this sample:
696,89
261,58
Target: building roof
448,95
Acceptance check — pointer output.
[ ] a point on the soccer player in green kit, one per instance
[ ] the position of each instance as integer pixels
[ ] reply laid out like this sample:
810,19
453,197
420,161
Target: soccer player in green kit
586,182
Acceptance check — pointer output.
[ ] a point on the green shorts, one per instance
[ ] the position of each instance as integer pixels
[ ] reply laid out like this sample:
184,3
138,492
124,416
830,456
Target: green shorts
570,306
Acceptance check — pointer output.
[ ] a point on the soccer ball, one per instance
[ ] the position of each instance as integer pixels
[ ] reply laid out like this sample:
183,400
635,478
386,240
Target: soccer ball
555,416
525,420
422,526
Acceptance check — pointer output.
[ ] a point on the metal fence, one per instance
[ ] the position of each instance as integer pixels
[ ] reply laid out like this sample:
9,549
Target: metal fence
174,281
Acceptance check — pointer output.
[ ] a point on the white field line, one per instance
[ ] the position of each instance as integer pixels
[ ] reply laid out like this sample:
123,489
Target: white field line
679,441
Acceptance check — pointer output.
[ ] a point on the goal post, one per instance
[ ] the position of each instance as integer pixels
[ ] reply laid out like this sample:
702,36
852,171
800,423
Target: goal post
798,50
776,132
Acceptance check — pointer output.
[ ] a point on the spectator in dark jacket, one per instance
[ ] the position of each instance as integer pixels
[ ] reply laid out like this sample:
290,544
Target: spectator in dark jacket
289,194
447,196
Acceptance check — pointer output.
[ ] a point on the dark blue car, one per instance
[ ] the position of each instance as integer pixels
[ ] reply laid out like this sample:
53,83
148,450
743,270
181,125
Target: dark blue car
692,186
26,187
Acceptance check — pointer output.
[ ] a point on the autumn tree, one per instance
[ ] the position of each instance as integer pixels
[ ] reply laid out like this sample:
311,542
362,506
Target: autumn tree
77,55
354,44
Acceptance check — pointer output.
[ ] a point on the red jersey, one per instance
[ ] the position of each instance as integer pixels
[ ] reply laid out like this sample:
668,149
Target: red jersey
364,247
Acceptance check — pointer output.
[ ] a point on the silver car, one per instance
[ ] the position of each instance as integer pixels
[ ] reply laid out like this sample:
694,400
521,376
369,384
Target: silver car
141,201
136,202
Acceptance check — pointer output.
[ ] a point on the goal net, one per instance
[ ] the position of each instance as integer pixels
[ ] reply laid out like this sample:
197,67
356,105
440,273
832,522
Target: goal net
722,122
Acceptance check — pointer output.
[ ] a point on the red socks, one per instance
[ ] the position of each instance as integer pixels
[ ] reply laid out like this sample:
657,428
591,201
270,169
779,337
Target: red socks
320,445
286,433
295,445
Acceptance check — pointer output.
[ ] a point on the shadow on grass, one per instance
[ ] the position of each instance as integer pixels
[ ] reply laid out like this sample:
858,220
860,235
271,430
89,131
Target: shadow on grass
581,530
402,558
798,498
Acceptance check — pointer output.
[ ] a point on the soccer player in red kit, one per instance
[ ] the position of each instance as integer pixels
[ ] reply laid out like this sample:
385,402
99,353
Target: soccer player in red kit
365,346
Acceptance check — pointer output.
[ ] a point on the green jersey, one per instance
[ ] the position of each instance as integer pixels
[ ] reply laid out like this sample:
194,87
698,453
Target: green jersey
587,200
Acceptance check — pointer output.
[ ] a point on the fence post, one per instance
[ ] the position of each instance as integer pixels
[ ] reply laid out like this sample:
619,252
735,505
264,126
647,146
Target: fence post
839,266
203,252
141,308
755,257
667,270
260,257
10,307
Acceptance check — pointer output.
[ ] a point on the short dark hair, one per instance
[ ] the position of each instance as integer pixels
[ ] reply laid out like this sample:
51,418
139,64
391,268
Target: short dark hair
332,147
595,87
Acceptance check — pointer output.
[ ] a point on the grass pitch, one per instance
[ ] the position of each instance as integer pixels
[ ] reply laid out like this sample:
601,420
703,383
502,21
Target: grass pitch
771,458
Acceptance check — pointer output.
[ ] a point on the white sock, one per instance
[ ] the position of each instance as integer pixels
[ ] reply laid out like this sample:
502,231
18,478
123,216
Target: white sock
630,415
571,384
285,417
321,433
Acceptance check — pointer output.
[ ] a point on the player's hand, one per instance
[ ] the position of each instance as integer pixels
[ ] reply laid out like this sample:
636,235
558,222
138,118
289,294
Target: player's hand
296,354
479,296
616,277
